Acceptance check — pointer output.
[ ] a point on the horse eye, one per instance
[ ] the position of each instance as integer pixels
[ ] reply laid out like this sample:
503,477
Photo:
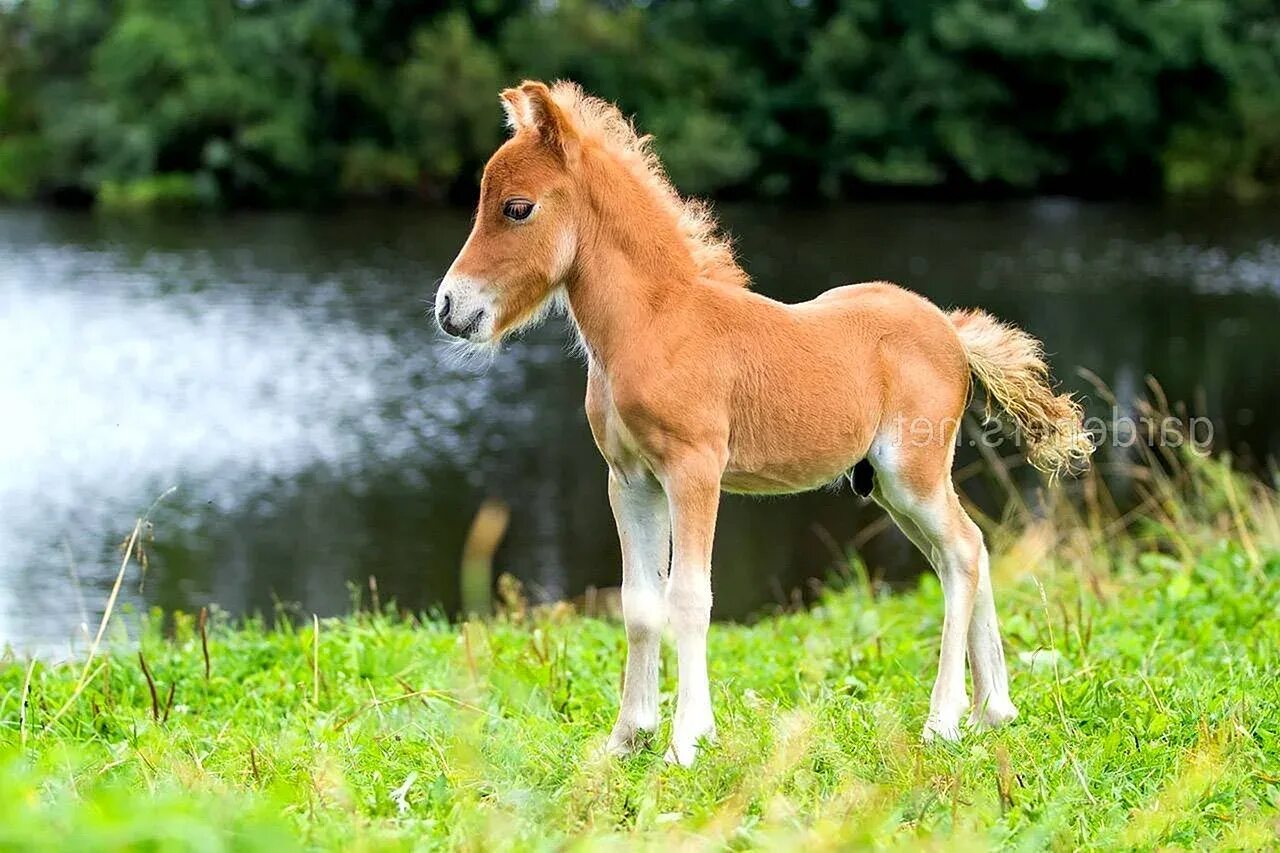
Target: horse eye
517,209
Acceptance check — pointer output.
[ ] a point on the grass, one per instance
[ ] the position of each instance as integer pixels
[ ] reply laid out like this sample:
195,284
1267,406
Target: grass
1144,652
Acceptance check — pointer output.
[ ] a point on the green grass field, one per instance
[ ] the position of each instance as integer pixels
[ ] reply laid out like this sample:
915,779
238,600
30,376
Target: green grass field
1144,655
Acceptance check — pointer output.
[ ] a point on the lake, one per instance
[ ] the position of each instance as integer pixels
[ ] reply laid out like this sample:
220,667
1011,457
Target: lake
281,374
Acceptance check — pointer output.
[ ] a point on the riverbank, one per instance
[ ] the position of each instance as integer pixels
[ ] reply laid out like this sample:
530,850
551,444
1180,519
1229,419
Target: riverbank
1144,654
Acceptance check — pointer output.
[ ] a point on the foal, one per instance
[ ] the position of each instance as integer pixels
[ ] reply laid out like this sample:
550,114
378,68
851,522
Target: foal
696,385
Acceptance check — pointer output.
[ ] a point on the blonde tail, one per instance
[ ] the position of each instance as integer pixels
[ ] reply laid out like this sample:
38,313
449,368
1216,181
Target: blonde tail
1010,363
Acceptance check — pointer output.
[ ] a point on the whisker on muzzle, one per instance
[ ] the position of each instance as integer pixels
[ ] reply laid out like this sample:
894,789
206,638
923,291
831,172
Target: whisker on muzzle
464,355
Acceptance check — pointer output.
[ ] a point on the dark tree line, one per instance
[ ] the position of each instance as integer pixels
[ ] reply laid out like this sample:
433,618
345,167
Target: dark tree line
289,102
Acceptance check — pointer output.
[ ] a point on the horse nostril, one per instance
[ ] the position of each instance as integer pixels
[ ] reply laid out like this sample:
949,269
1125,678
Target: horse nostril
443,311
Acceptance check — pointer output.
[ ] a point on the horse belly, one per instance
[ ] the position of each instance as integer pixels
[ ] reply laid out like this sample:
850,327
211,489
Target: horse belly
785,443
779,482
795,464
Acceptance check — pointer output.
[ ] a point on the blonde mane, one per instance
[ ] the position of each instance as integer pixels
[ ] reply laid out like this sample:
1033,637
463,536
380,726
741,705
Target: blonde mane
603,123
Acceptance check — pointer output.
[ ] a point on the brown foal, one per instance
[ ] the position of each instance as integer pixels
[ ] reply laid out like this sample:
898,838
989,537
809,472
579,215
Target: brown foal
695,385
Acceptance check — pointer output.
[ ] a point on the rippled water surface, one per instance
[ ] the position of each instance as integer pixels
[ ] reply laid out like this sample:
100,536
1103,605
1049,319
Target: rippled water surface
279,372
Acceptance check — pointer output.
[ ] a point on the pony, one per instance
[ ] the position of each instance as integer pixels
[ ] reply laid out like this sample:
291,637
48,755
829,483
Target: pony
697,385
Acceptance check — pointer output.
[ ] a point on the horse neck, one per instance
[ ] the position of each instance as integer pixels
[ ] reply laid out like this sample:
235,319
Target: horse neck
633,270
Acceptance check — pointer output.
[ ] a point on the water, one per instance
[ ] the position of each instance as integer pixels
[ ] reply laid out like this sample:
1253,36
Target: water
280,372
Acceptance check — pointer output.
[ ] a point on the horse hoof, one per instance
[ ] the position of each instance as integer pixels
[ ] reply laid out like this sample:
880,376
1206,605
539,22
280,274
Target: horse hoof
627,740
683,755
944,730
684,749
993,714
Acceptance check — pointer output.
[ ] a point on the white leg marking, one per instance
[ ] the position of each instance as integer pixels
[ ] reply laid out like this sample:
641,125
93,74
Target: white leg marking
949,702
991,703
956,561
640,509
952,543
694,497
689,603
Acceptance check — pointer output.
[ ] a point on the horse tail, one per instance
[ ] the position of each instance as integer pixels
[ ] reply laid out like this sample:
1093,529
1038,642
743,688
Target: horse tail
1010,363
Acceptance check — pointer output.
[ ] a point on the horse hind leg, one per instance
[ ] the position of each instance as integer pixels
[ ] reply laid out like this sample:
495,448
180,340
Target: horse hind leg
914,486
992,706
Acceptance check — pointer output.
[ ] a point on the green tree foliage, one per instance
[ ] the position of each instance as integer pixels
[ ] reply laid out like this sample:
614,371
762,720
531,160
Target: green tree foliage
444,110
139,102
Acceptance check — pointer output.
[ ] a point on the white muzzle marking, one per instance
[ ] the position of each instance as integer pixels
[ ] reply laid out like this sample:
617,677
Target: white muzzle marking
463,310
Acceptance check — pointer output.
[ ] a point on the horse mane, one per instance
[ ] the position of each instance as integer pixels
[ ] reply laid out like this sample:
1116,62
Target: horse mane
601,122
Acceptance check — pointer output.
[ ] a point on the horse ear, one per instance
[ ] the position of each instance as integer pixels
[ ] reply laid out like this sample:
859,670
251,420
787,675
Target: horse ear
545,115
515,105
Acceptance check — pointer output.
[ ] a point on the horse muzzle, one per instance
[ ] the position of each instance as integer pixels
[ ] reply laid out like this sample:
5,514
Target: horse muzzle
461,311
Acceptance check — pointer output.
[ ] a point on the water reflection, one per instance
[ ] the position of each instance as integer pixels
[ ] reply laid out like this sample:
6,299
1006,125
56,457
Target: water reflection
280,372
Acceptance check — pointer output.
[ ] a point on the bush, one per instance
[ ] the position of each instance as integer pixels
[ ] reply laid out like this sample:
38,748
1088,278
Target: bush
21,164
295,103
371,172
172,191
446,102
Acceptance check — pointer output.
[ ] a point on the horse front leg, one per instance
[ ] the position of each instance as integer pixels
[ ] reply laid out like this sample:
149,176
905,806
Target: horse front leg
644,531
693,493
